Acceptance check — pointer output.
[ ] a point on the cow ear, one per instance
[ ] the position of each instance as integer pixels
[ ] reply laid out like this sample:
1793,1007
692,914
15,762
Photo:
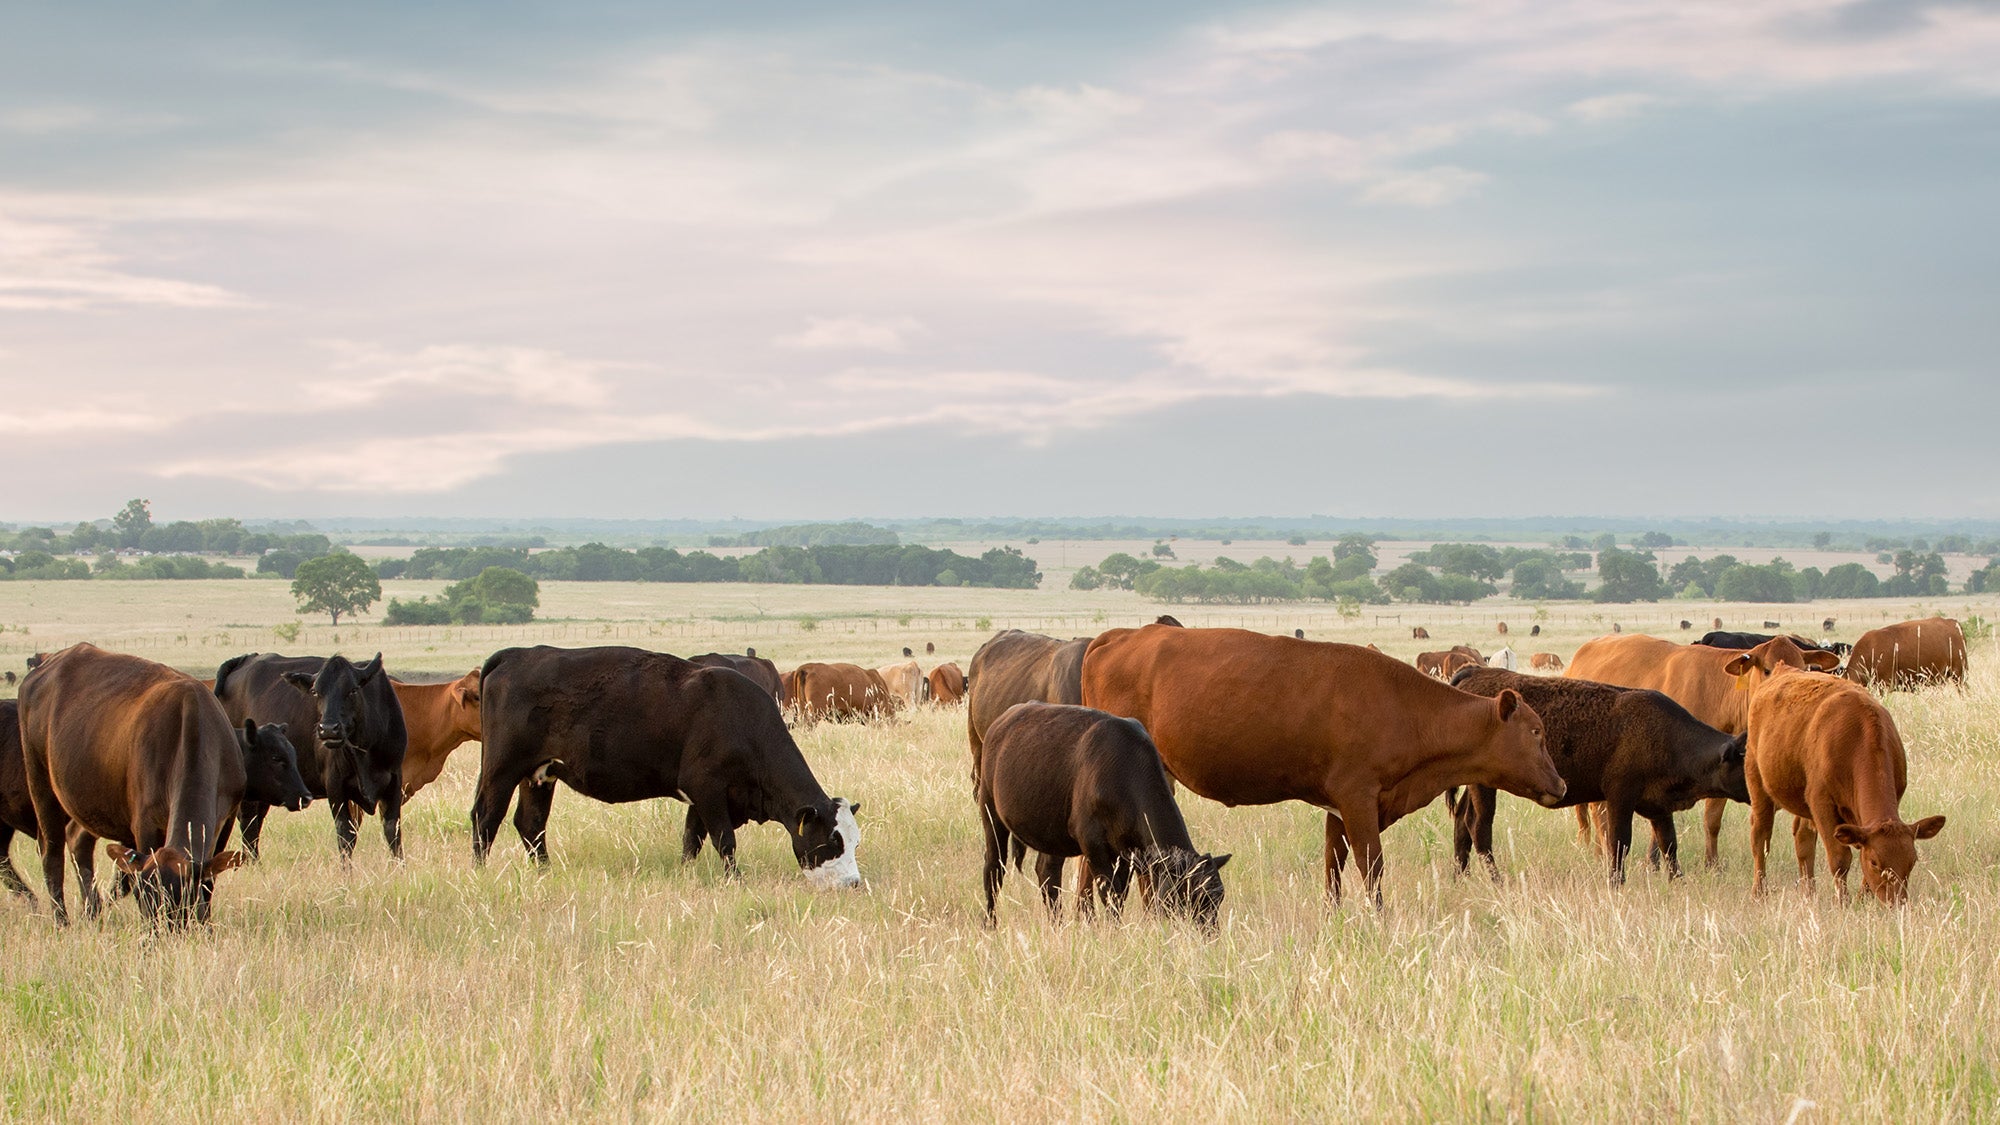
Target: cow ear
1928,827
224,861
369,670
124,858
1824,661
806,815
1217,862
1851,835
250,730
1740,665
300,681
1738,748
172,859
1508,702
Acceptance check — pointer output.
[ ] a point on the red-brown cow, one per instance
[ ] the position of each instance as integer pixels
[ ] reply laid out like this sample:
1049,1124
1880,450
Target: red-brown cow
1827,751
440,718
1249,719
947,684
1909,654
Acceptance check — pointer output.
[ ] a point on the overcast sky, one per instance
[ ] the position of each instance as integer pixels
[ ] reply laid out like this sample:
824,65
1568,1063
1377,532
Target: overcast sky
1483,258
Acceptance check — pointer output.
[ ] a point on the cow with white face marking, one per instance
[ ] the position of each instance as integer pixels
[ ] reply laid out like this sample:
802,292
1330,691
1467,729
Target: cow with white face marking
625,724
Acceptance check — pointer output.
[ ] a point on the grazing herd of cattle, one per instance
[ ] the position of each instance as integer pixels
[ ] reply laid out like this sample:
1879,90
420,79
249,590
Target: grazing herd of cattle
1075,747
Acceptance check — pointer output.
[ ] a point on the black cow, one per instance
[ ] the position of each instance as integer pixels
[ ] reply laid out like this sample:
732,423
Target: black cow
1636,750
760,671
354,754
1069,781
1720,639
624,724
17,809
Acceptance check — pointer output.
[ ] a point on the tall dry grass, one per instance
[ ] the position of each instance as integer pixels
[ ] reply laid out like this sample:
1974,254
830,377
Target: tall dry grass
620,984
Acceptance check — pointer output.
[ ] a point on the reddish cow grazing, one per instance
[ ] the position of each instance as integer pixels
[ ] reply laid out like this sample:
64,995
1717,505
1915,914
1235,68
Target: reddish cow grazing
1910,653
1248,719
1069,781
1716,624
1826,751
132,752
1545,662
1692,676
1501,628
947,684
439,718
904,681
1420,634
837,691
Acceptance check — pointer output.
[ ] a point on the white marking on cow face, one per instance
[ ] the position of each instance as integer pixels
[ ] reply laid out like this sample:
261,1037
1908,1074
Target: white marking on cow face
841,871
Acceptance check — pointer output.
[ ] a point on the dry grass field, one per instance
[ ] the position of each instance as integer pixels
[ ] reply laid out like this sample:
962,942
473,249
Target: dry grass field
618,984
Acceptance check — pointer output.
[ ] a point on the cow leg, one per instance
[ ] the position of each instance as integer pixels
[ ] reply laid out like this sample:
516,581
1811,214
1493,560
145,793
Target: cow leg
1711,822
1839,856
1584,835
1461,828
692,834
53,827
1484,802
9,876
714,811
1617,840
1805,841
251,817
1086,885
995,871
345,830
1118,883
392,820
83,856
490,800
1762,812
1048,873
1666,844
1364,835
531,817
1336,855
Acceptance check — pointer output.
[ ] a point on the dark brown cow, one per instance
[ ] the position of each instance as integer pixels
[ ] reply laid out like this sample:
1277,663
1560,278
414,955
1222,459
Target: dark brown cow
1420,634
819,691
1249,719
439,718
132,752
1692,676
1069,781
1827,751
17,810
947,684
757,669
1017,667
1826,626
1909,654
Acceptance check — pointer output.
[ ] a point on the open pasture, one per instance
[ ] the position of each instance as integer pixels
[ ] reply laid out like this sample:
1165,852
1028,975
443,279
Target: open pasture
619,984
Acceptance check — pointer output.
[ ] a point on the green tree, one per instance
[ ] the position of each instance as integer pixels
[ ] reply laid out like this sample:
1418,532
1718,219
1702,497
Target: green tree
1628,577
132,521
336,584
498,596
1822,540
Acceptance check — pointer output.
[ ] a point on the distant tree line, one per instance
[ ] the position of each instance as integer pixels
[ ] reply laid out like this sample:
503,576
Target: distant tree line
132,528
838,565
850,534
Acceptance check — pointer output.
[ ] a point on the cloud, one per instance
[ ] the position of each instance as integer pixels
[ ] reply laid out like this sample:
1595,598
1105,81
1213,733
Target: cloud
852,333
1613,107
1428,187
53,266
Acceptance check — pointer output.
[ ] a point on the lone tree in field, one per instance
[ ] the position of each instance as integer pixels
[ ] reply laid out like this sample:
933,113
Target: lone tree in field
132,521
336,584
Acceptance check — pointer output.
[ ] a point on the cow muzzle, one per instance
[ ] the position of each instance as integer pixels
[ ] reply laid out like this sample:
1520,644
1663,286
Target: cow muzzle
1551,800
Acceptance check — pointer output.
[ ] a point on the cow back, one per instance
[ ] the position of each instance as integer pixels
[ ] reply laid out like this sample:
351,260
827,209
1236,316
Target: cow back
1021,667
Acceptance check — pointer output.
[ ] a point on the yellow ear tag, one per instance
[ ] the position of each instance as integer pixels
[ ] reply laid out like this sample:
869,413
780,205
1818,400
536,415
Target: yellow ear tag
802,827
1743,682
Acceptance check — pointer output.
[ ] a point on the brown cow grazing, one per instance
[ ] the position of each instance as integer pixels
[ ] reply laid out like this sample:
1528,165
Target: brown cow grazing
1420,634
10,677
17,810
1826,751
1444,664
1545,662
930,648
1617,628
1249,719
838,691
905,681
132,752
1638,751
1069,781
1909,654
1017,667
439,718
1717,624
1692,676
1501,628
1826,626
947,684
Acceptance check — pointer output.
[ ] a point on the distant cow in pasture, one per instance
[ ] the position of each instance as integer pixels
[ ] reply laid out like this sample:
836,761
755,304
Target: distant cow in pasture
1827,751
1019,667
1617,628
1248,719
1545,662
907,653
1772,625
1909,654
1686,624
1636,750
1716,638
1534,630
1420,634
1069,781
817,691
930,648
1500,628
1717,624
1297,634
1443,665
1503,659
1826,626
905,682
947,684
10,677
1168,619
624,724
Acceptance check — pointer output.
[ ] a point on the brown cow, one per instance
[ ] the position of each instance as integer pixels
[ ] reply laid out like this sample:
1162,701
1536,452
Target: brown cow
1019,667
1910,653
905,681
1545,662
1248,719
1692,676
17,810
1420,634
1444,664
947,684
1501,628
1826,751
125,750
440,718
838,691
1717,624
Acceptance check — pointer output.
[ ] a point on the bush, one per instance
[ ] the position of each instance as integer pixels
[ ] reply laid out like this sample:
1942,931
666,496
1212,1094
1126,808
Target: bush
423,611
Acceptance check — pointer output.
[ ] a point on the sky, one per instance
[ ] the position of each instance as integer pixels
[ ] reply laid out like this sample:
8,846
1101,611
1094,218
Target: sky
812,261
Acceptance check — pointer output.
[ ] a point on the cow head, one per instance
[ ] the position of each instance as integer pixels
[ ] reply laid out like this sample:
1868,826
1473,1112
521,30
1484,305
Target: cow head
1752,667
271,767
1185,884
1726,779
824,837
168,878
465,705
1517,757
1888,853
337,691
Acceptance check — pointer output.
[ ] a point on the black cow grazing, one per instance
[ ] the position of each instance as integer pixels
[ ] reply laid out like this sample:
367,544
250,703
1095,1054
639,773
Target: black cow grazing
1686,624
758,670
1069,781
1719,639
1772,625
10,677
624,724
750,650
1168,619
1534,630
907,653
1636,750
17,810
1299,634
1826,626
1617,628
351,735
